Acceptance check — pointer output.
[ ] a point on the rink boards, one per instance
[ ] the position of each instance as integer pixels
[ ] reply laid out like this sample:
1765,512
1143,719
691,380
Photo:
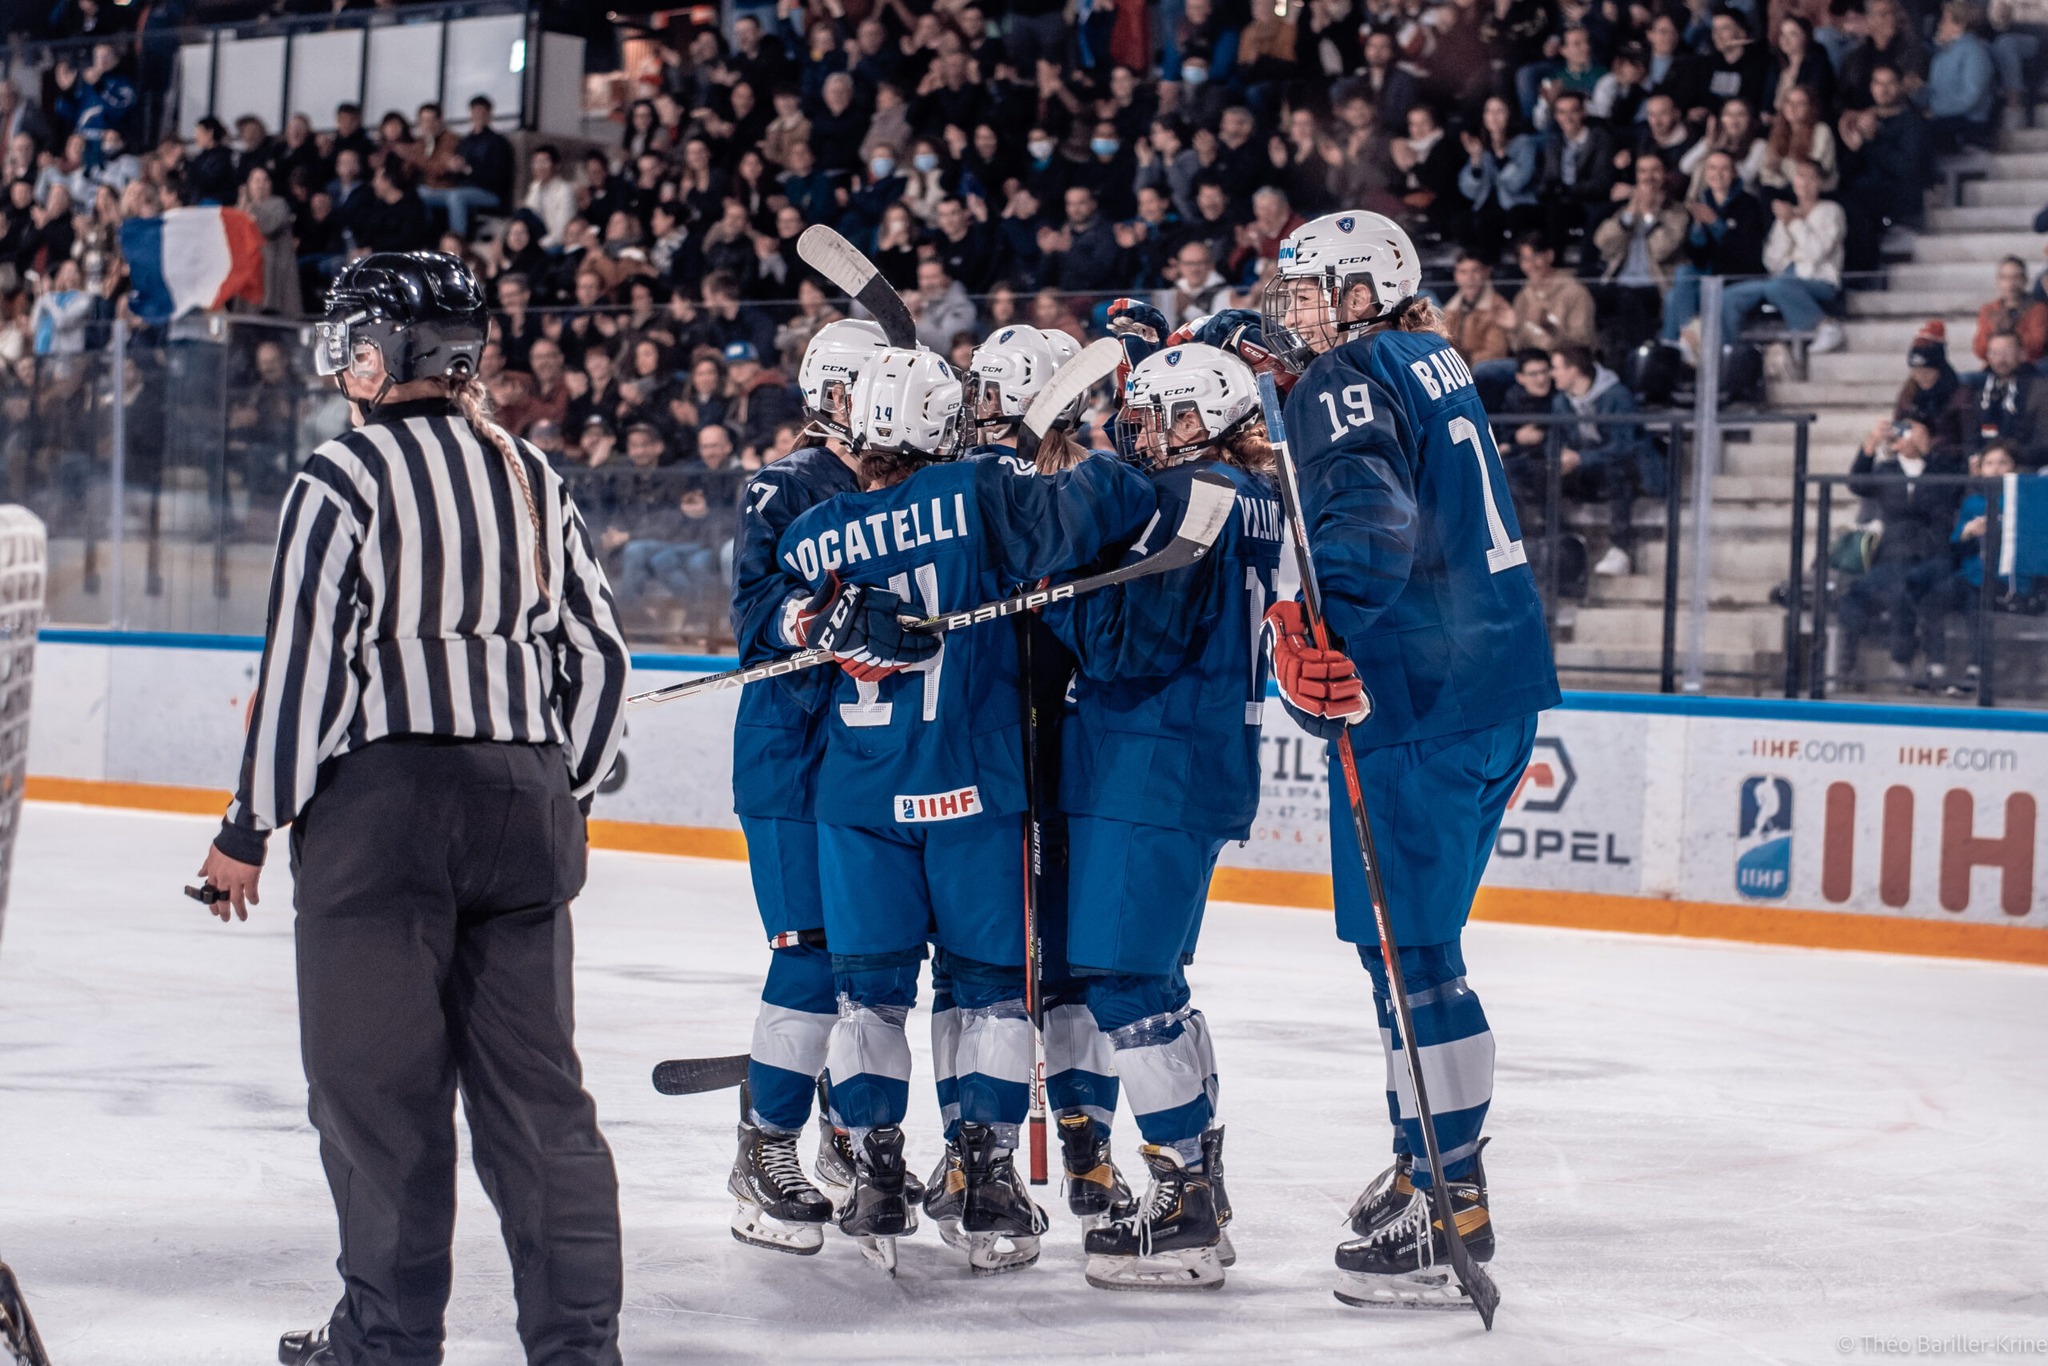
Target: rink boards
1904,829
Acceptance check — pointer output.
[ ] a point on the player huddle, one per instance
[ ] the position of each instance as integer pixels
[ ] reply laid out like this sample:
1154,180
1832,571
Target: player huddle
1035,804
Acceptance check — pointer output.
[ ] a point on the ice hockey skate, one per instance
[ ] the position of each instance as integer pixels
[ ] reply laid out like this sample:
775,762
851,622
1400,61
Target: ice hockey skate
1212,1164
1385,1198
875,1212
1404,1262
1170,1243
832,1171
1096,1191
945,1197
779,1208
1000,1222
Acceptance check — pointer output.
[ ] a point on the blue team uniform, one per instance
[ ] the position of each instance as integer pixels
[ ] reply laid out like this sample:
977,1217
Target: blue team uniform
1425,581
1160,770
777,743
921,784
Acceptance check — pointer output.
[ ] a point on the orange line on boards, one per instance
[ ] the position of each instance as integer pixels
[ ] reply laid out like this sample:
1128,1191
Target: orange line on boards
1274,887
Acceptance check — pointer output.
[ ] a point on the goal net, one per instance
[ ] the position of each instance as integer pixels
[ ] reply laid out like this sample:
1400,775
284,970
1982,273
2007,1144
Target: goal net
22,564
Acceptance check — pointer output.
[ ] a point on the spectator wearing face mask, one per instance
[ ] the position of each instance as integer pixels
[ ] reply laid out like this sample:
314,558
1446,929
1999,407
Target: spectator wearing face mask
1046,173
1111,171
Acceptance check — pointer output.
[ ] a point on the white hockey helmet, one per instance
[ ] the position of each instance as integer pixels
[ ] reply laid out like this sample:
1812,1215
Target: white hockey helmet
1006,372
830,365
1319,263
908,403
1169,385
1064,347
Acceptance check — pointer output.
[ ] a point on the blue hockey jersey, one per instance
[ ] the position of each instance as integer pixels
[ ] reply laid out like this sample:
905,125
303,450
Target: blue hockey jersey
1164,729
1416,543
942,740
777,740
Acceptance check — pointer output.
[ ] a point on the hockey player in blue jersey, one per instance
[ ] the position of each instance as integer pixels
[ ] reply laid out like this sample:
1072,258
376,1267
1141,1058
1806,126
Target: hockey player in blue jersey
1444,664
777,742
1161,769
1007,371
920,788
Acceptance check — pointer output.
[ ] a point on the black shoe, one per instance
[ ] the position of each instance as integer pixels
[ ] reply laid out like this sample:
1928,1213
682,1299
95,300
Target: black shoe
1405,1262
1385,1198
1096,1190
1170,1243
308,1347
1002,1223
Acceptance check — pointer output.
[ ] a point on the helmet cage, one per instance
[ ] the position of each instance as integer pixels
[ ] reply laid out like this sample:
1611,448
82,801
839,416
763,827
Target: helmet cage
1297,346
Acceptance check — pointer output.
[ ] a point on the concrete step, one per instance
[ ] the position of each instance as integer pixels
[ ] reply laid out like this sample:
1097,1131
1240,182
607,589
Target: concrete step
1730,632
1644,661
1738,520
1956,279
1830,427
1983,217
1871,395
1642,590
1738,564
2018,165
1774,463
1986,193
1942,248
1892,336
1862,367
2024,140
1922,302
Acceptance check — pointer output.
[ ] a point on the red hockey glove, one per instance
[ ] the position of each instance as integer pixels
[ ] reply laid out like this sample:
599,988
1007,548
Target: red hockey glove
1316,682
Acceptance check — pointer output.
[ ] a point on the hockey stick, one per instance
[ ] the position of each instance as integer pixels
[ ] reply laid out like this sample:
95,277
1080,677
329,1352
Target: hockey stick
850,271
1210,499
1034,939
1085,369
17,1329
689,1076
1478,1285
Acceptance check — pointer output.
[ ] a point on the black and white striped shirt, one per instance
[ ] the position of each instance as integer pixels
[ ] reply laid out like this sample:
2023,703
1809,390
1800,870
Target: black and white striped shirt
405,601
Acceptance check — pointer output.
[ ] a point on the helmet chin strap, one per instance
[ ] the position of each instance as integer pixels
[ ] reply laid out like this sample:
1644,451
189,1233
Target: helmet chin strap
366,408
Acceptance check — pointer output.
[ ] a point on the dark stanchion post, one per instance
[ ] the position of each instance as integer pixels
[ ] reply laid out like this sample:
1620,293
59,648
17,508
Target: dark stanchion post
1817,678
1987,594
1795,587
1553,509
1667,680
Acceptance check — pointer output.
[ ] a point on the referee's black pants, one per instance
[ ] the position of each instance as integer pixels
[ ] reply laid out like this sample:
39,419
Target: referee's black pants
433,882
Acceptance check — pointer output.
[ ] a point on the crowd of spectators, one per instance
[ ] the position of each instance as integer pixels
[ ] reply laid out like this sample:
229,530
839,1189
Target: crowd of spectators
1915,559
1587,163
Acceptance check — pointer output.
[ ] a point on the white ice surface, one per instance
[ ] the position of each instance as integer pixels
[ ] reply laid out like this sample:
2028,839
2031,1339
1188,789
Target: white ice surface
1704,1153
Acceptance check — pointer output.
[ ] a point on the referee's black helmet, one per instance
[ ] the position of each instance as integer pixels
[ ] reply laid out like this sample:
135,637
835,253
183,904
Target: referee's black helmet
422,310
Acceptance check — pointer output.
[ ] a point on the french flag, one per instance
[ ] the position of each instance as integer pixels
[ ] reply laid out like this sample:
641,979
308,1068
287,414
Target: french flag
192,258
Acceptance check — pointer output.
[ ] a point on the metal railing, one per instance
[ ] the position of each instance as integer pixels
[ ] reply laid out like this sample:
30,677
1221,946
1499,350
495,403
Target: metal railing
1811,632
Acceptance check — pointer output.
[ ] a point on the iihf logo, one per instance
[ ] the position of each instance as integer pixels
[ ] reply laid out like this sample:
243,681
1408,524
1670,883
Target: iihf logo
1173,358
1346,224
1763,839
909,811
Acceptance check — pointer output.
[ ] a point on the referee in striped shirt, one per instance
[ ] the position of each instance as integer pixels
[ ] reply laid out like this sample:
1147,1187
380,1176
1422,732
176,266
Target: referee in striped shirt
441,690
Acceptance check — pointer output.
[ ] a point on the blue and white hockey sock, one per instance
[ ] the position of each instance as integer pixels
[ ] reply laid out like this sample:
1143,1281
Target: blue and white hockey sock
945,1051
1197,1024
1160,1057
869,1057
1080,1061
791,1031
1457,1055
994,1056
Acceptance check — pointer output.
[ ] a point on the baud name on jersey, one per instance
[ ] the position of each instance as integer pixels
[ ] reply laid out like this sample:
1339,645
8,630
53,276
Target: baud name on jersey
1441,372
887,533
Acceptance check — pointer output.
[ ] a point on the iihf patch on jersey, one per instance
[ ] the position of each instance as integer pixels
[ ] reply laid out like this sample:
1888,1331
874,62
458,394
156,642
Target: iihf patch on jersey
939,806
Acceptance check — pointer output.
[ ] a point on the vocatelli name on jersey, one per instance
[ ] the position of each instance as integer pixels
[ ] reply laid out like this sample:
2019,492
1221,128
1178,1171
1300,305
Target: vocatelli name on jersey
886,533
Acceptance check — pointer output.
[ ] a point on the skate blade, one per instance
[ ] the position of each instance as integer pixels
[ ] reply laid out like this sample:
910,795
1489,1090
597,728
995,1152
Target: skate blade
1193,1268
754,1227
991,1254
951,1234
1433,1288
1226,1251
880,1252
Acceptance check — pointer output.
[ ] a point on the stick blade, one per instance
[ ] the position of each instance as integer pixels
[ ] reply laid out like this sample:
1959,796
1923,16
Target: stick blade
1210,500
691,1076
1275,411
848,268
1085,369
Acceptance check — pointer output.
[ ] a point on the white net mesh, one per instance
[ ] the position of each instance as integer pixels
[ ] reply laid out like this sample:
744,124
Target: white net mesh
22,563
